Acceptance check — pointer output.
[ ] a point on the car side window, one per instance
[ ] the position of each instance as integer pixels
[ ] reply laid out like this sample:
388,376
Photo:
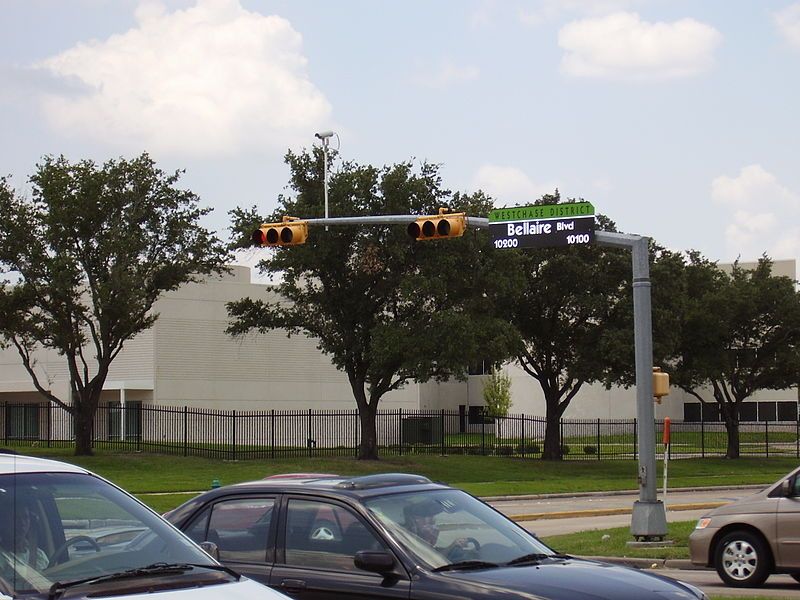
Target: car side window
321,535
239,528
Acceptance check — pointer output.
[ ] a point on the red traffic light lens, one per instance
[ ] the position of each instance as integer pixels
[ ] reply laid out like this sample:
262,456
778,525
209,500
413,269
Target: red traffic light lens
257,238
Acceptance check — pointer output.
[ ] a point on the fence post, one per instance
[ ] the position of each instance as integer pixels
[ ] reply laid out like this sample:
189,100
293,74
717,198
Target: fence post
702,434
308,437
598,438
797,438
441,430
561,437
400,424
766,437
355,432
5,422
185,430
49,422
483,433
234,434
635,439
272,434
523,436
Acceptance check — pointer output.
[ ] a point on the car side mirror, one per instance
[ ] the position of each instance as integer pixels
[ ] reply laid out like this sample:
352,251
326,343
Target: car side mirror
374,561
211,549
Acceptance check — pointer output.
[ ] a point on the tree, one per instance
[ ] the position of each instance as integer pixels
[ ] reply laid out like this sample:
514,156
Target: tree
741,334
571,297
88,255
386,309
497,393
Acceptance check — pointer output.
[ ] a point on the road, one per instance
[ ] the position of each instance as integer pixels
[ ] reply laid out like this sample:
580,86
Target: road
556,515
777,586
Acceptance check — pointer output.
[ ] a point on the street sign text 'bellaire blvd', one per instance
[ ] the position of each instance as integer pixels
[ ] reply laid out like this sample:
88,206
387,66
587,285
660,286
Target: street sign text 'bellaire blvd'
542,226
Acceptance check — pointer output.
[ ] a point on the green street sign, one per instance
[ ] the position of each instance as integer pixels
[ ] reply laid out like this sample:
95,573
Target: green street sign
544,211
543,226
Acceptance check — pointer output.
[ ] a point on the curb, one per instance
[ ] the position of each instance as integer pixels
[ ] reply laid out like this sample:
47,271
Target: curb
603,512
707,488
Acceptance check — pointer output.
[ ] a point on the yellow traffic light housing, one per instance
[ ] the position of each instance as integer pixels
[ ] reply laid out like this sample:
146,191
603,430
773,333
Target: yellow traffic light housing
290,232
443,225
660,384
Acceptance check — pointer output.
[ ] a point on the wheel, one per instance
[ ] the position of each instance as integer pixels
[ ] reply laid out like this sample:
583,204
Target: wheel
62,550
742,559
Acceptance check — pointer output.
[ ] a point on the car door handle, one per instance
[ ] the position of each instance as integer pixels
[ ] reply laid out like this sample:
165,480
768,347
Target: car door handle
293,585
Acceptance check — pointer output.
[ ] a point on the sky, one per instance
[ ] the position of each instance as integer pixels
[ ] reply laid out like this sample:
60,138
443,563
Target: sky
678,119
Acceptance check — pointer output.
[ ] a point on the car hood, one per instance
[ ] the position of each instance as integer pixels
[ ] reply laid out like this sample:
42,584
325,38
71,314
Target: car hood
759,502
577,578
243,589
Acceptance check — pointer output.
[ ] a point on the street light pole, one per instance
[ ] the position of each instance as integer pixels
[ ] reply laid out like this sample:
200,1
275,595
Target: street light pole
325,136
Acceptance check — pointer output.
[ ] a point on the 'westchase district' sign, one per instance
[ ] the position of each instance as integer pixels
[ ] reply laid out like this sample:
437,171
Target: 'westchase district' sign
542,226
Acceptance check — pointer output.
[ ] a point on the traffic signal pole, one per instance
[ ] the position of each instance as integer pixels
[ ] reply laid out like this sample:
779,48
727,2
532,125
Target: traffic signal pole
649,519
476,222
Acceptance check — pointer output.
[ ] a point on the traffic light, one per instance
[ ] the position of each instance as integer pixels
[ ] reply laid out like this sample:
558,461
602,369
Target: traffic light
290,232
660,384
438,226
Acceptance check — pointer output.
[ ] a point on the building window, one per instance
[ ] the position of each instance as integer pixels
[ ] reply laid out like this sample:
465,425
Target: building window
482,367
23,422
787,411
133,420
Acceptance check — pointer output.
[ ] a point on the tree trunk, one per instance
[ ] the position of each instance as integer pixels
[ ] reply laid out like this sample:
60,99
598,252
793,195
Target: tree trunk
731,419
552,432
83,419
368,447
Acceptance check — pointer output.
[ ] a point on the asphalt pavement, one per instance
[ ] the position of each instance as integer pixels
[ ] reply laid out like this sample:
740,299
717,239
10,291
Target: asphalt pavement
553,514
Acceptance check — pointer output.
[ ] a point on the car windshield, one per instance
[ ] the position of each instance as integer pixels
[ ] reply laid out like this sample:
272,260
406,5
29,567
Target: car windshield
446,527
66,527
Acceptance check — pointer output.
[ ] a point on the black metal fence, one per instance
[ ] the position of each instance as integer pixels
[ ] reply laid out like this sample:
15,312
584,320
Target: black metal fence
233,434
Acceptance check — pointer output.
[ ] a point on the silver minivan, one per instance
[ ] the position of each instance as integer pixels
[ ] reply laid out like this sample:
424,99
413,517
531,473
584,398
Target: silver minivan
749,539
68,533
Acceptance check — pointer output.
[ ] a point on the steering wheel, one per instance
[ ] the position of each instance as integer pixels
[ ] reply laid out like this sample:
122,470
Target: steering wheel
458,551
62,549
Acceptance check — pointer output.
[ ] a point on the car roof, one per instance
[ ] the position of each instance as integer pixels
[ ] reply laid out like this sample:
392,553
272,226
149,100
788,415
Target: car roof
359,486
18,463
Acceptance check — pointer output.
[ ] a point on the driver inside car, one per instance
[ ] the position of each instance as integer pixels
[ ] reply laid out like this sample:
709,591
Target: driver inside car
20,540
421,521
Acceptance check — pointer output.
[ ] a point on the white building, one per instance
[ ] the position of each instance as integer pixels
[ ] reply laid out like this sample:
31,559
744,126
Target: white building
186,359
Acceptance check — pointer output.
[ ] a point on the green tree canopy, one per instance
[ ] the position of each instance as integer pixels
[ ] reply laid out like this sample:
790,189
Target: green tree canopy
740,334
88,254
386,309
571,296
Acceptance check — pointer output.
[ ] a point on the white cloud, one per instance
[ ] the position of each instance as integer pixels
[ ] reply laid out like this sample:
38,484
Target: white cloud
762,214
546,10
447,74
623,46
788,22
213,79
510,185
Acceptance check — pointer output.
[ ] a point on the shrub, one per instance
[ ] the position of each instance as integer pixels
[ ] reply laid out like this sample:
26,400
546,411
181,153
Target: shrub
590,449
504,450
564,449
530,448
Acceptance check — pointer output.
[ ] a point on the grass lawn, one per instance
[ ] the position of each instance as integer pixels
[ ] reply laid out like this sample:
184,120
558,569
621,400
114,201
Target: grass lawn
141,473
591,543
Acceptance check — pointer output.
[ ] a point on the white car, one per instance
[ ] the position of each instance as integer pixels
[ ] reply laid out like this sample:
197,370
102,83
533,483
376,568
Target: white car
68,533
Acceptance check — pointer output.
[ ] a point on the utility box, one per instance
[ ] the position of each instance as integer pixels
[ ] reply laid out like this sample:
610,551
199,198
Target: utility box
422,430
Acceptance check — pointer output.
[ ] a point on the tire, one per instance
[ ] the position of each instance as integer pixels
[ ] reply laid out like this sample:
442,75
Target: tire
742,559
